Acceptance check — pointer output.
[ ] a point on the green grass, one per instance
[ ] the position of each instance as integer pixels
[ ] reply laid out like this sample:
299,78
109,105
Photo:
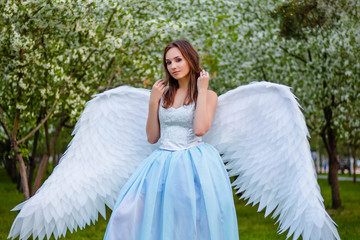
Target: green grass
9,197
252,225
342,175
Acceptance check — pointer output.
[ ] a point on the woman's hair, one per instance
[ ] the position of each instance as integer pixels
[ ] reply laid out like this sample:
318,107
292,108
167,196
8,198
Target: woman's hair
192,57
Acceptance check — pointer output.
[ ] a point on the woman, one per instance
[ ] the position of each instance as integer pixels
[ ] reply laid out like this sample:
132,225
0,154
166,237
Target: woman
182,190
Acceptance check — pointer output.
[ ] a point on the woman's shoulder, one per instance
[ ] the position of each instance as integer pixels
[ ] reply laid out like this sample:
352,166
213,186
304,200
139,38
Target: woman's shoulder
212,98
211,94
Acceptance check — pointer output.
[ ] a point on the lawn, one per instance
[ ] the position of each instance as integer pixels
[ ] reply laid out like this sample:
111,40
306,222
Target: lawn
343,175
252,225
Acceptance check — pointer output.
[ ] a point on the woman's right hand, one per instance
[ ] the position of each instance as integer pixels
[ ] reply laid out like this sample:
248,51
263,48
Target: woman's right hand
152,124
157,90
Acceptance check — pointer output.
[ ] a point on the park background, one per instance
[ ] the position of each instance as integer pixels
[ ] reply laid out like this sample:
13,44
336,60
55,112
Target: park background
56,54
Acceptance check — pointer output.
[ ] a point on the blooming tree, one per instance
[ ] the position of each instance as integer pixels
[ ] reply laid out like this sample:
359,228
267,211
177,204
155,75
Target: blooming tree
56,54
320,61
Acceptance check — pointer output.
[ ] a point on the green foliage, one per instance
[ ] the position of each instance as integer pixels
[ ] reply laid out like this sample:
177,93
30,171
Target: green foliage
9,198
296,15
316,54
92,46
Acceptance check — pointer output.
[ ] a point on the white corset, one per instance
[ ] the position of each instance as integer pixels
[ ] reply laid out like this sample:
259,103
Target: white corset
177,127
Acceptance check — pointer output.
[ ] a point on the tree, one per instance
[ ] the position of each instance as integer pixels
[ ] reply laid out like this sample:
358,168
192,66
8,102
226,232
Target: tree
56,54
320,44
53,54
88,47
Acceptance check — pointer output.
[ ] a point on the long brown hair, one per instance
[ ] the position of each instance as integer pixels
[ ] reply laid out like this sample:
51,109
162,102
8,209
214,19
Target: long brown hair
192,57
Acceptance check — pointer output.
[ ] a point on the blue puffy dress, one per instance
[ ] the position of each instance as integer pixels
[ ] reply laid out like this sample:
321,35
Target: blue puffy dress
180,192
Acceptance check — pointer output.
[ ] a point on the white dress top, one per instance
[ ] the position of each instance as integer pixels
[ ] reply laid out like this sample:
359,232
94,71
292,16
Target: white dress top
176,127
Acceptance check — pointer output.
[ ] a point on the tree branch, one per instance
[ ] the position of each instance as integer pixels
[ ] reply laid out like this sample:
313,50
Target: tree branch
55,102
310,127
17,111
43,45
34,13
293,55
108,23
69,126
112,77
44,120
47,137
309,55
107,69
50,144
82,64
3,123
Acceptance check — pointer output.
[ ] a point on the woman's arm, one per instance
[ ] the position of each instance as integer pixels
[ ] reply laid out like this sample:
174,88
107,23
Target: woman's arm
152,124
205,106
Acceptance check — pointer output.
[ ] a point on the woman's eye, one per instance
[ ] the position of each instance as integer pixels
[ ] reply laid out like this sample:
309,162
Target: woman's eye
168,63
178,60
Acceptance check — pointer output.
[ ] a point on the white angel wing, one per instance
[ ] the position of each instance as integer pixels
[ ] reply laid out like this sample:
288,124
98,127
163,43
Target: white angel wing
109,143
262,135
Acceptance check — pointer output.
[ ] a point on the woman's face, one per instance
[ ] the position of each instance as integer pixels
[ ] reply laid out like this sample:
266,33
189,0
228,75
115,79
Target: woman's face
176,64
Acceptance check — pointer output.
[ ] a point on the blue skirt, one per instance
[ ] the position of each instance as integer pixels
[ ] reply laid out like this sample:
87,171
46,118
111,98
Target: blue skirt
176,195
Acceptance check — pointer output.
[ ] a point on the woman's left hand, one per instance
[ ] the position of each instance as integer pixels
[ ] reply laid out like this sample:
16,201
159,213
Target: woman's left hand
203,80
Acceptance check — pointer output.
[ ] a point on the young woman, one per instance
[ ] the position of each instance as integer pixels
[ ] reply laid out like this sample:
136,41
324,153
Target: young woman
182,190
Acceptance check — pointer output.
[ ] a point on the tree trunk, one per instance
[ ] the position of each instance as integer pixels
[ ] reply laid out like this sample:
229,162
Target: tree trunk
9,162
333,171
32,164
22,167
55,160
40,173
45,159
10,166
15,146
328,135
354,163
321,163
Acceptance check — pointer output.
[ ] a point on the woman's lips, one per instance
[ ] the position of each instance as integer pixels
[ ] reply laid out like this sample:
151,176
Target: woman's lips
176,72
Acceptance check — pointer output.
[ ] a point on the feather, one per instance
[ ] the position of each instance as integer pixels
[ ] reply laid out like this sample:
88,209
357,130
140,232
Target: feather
261,133
109,142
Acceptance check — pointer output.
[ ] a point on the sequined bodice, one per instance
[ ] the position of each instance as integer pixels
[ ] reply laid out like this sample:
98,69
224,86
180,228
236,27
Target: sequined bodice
176,127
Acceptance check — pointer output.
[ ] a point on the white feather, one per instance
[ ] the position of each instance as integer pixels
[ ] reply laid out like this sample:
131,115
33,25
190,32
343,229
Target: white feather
262,136
109,144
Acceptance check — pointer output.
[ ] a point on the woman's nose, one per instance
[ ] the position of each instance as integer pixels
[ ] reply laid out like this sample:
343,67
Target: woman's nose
173,65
